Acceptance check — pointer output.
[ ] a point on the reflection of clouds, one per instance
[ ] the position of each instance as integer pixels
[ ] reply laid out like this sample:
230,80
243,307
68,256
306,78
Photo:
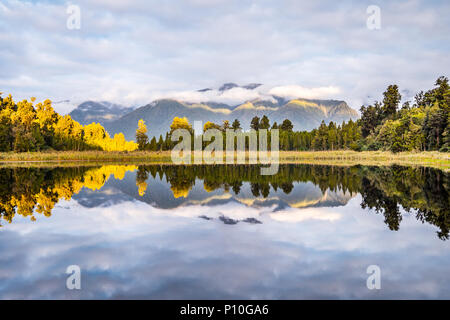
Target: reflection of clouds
305,214
134,250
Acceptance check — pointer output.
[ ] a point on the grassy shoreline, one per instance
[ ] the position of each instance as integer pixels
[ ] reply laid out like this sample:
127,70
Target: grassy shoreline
343,157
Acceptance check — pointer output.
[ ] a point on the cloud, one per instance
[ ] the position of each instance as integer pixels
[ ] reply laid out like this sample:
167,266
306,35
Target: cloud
134,250
239,95
232,96
295,91
133,53
292,215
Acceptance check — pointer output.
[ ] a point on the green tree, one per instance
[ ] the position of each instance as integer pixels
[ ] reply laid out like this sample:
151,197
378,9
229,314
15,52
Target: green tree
287,125
434,127
320,141
254,124
160,143
332,135
371,117
153,145
391,101
264,123
236,125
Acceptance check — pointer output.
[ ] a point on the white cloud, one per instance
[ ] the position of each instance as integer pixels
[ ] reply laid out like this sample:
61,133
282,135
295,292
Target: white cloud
134,250
292,215
136,52
239,95
232,96
295,91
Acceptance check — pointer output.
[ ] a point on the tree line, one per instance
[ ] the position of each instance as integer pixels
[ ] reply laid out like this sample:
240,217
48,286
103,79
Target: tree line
423,192
326,137
419,126
28,127
422,125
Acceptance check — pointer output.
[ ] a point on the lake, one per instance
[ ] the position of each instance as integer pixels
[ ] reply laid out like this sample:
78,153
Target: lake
224,232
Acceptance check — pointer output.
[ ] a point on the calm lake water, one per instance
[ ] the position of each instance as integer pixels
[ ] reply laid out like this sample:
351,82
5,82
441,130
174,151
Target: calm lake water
224,232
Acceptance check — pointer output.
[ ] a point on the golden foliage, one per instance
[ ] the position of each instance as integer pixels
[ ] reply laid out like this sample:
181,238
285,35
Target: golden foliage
180,191
180,123
44,198
24,127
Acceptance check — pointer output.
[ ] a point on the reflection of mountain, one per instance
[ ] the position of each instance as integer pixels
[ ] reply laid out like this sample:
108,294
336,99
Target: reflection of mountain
421,191
161,194
303,195
231,221
105,197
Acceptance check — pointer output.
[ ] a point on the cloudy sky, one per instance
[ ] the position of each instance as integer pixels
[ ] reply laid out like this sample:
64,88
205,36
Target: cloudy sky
132,52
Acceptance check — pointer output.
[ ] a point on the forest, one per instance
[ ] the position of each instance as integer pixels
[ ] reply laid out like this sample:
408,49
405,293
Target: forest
28,127
421,125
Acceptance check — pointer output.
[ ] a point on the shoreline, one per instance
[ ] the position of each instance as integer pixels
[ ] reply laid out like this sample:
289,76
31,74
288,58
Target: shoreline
434,159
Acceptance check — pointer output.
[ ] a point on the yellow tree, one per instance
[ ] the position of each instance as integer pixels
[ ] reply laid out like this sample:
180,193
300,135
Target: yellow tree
141,135
63,133
47,119
27,136
141,178
118,143
226,125
95,135
7,108
210,125
77,136
180,123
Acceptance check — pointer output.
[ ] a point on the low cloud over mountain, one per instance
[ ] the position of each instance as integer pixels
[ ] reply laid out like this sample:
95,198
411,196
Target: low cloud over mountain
101,112
228,102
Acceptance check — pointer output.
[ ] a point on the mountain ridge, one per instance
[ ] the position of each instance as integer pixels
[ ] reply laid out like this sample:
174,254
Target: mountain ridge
305,114
98,111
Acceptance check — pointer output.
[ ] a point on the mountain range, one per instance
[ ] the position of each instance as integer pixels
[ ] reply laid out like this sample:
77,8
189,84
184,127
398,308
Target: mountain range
160,194
101,112
305,114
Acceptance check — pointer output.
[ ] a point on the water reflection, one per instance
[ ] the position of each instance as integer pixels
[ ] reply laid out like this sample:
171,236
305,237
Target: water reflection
422,192
174,232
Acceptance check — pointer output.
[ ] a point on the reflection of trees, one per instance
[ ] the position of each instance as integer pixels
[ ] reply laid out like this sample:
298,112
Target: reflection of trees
422,191
236,186
375,199
383,189
231,177
287,187
141,181
26,191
